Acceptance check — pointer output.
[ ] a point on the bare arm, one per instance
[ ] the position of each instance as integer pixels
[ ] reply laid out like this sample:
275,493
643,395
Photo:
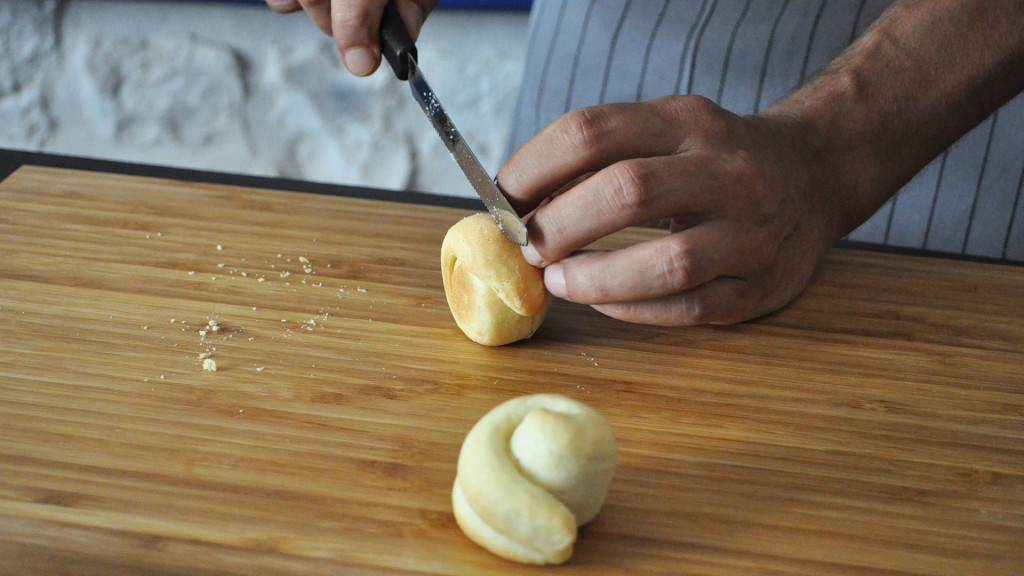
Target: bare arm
920,77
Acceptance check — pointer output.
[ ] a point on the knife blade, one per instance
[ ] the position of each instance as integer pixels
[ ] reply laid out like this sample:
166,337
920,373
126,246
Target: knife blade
400,51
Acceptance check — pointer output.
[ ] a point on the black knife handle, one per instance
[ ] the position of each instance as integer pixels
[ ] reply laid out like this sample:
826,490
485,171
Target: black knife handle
395,42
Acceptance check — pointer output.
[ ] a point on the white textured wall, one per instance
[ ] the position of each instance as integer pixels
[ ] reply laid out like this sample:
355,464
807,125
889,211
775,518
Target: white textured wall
238,88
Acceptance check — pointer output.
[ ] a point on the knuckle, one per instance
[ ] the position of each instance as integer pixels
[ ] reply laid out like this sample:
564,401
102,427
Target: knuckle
700,106
702,311
697,313
585,128
691,107
353,20
632,187
677,264
708,125
689,312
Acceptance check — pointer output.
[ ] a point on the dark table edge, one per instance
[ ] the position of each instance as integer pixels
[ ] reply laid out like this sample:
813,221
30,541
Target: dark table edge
11,160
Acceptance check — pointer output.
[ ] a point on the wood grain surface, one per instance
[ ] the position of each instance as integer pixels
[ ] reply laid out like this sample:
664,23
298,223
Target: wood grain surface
875,426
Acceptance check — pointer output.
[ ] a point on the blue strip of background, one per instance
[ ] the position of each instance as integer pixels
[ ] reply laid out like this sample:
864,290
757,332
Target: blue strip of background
449,4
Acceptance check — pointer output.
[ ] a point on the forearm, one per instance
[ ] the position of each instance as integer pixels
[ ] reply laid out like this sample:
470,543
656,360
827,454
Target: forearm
920,77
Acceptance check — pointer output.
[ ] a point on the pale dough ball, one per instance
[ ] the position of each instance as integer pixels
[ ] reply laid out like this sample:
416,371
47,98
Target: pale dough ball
495,295
530,472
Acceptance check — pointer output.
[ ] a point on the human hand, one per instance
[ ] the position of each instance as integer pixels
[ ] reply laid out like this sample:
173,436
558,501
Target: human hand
354,25
748,202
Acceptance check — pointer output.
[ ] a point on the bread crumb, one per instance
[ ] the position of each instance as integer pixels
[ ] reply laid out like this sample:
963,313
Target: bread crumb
303,259
261,368
219,247
210,365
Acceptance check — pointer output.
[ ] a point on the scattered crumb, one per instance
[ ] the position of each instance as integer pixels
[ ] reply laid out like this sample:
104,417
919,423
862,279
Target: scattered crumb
261,368
219,247
209,365
191,272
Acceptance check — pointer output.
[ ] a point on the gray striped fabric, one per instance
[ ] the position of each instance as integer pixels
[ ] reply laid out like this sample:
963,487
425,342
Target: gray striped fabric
746,55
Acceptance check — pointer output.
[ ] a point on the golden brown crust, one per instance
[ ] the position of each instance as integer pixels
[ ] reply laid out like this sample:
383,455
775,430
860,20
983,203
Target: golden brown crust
495,295
530,472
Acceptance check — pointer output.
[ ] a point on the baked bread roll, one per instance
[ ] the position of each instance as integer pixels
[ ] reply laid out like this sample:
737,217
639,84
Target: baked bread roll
530,473
495,295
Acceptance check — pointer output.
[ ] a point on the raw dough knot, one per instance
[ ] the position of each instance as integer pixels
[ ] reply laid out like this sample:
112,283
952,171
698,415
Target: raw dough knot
530,473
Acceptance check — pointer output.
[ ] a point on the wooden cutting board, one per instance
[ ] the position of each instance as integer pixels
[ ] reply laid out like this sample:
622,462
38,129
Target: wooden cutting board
875,426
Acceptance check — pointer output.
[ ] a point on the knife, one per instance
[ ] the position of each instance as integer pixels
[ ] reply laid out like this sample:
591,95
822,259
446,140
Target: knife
400,51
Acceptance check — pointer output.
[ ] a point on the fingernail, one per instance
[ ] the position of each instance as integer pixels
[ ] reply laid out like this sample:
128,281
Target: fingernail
554,279
532,256
360,60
